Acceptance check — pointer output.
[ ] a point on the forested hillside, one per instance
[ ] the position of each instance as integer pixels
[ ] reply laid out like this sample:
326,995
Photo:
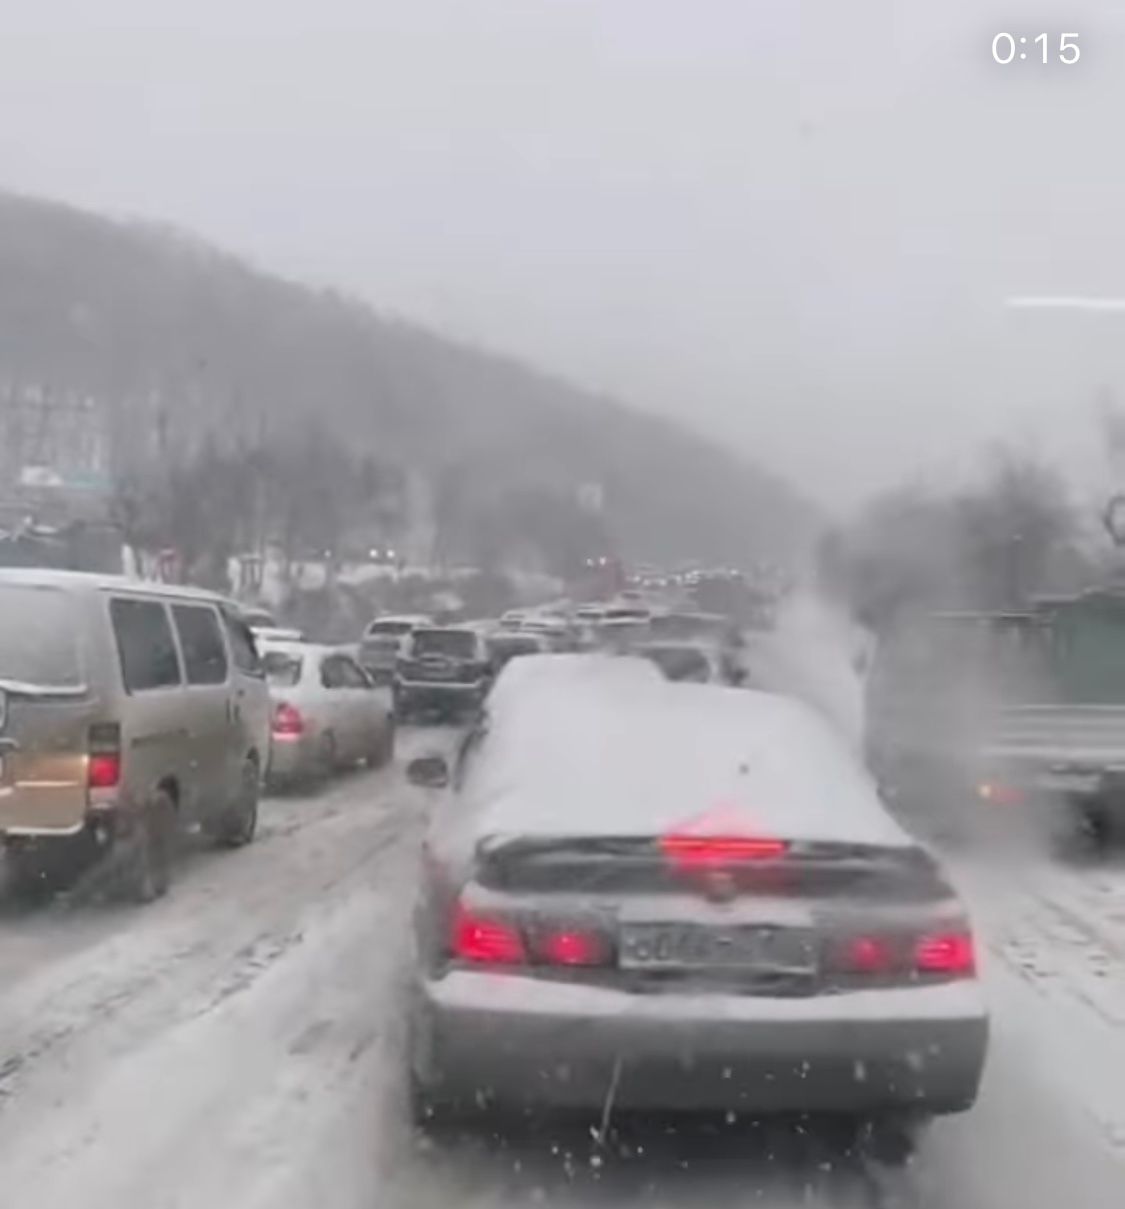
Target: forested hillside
185,347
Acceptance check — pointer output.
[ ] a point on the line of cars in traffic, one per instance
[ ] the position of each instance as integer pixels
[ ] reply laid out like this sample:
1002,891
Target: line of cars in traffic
447,669
132,710
646,888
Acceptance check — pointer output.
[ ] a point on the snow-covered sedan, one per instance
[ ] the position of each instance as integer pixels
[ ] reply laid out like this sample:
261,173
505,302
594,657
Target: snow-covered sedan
674,896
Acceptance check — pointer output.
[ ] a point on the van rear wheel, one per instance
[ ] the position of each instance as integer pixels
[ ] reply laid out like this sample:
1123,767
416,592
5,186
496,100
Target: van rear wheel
147,869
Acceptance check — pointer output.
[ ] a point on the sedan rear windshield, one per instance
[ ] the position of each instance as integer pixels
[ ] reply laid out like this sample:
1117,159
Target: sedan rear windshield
38,637
389,629
636,864
679,662
282,668
458,644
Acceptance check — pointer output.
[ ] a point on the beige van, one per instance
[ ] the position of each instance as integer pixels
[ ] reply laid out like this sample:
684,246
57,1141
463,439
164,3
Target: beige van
126,709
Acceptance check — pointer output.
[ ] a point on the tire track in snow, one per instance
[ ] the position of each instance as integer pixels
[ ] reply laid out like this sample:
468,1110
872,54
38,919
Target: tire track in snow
213,937
1043,925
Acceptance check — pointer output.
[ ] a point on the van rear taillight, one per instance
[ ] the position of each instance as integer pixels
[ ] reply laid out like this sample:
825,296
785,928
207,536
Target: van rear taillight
103,763
103,771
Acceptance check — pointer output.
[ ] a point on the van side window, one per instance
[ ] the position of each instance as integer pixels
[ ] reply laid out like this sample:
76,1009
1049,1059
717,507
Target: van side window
144,644
242,648
205,657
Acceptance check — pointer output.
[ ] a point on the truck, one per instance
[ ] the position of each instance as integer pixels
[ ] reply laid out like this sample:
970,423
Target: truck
1009,716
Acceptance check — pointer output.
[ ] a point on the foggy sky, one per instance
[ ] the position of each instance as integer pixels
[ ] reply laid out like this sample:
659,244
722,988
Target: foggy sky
792,224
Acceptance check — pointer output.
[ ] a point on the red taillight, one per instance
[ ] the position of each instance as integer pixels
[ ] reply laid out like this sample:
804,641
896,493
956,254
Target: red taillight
946,953
902,958
103,770
866,955
693,851
485,940
572,948
287,722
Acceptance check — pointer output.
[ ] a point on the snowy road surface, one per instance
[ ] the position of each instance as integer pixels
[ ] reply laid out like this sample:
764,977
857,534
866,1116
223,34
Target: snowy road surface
239,1045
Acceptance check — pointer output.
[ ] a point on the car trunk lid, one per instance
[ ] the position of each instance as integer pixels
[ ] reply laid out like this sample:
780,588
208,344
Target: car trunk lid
43,757
45,710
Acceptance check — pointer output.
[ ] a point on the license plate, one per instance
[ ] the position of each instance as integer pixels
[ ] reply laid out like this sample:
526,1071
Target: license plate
1069,782
689,946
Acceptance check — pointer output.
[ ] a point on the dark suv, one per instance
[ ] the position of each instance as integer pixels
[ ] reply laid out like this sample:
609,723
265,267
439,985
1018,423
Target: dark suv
441,669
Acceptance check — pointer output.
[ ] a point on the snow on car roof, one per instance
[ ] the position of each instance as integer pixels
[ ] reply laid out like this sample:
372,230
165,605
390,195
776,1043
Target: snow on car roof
544,621
583,750
522,682
399,619
297,647
266,634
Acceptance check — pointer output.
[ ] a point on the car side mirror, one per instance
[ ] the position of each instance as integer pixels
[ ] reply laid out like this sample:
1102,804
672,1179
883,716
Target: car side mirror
432,772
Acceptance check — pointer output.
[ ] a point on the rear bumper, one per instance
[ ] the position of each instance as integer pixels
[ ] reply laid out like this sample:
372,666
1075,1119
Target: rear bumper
17,831
291,759
527,1041
39,811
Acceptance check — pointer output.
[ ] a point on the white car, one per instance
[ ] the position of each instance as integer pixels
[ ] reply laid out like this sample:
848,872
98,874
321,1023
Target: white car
513,619
327,713
382,643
